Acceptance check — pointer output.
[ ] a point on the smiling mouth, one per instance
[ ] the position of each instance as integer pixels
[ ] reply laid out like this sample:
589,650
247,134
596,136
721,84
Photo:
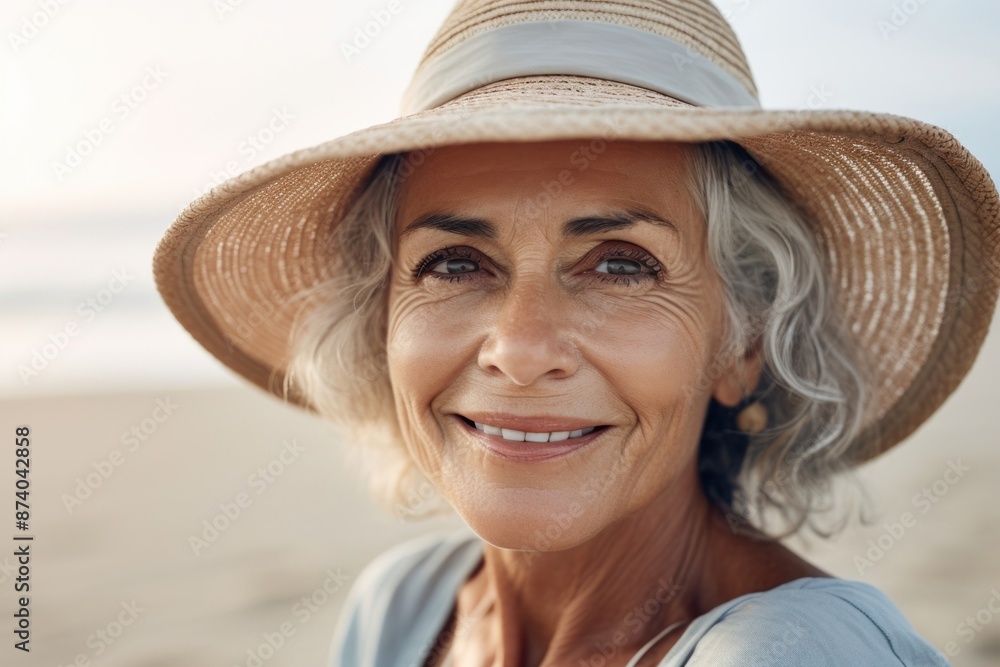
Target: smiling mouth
525,436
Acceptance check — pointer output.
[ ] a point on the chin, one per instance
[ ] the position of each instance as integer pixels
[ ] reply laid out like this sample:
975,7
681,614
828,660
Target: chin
532,519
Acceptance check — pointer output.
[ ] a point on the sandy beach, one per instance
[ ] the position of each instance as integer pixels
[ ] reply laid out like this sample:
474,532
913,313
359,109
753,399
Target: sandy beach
202,527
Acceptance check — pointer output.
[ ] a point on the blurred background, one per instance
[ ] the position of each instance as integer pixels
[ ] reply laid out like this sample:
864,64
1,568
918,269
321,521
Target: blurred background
115,115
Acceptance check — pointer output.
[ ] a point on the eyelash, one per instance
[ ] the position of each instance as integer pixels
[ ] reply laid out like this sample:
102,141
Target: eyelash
653,269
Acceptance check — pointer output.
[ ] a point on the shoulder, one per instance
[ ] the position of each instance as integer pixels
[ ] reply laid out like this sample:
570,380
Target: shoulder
399,592
811,621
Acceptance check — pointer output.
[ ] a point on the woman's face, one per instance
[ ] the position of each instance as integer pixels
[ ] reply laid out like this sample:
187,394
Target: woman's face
565,280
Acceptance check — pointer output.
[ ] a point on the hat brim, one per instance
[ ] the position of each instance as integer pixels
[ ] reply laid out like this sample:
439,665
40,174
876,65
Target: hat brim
909,219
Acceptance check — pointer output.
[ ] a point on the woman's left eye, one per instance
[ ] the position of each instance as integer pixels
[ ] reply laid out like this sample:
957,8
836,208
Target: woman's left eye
625,265
620,264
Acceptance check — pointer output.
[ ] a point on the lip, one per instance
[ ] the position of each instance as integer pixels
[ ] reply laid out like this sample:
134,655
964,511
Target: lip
540,424
528,451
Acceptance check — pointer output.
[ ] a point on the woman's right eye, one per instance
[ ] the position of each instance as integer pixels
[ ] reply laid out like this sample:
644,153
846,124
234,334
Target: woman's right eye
451,264
454,266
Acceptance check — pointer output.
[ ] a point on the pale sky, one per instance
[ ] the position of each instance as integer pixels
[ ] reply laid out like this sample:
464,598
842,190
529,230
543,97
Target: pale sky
199,77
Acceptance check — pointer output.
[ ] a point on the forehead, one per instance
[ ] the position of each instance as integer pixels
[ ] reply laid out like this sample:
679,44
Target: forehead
500,181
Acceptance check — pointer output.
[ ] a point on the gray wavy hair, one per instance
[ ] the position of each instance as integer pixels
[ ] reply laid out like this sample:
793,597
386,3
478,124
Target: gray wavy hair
815,384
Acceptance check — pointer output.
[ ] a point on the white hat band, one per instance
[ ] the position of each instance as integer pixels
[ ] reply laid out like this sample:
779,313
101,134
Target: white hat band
573,47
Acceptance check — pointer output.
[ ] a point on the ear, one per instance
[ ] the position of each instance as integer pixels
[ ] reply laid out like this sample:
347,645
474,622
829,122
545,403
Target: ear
740,378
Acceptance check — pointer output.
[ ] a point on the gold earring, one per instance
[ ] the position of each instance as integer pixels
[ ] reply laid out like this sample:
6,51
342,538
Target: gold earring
752,418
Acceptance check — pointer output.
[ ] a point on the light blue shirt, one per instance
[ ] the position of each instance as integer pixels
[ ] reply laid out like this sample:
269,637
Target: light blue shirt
400,602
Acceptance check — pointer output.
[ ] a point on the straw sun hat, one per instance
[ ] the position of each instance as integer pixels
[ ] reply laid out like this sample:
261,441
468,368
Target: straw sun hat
908,219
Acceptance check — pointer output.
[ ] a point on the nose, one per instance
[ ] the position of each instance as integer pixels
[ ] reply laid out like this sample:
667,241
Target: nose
528,338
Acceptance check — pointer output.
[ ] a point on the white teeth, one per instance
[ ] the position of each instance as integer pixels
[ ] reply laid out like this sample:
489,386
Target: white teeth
523,436
493,430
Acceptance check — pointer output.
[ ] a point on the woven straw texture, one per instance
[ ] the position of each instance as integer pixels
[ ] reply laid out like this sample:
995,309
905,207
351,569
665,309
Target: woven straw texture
908,218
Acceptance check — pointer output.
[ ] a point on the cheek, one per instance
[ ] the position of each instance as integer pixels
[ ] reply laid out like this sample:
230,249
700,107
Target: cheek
655,349
425,338
653,352
411,343
425,350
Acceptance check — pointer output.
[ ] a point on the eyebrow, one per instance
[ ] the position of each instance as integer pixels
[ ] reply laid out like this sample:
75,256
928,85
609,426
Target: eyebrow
573,228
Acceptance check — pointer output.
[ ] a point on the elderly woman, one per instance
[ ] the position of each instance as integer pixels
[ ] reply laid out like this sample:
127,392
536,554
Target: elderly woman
624,323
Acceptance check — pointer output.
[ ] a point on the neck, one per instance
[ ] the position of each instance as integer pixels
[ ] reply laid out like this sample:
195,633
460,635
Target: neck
612,593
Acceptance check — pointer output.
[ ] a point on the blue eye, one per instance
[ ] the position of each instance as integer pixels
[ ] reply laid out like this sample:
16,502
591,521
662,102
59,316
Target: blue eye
625,265
618,264
456,262
454,265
